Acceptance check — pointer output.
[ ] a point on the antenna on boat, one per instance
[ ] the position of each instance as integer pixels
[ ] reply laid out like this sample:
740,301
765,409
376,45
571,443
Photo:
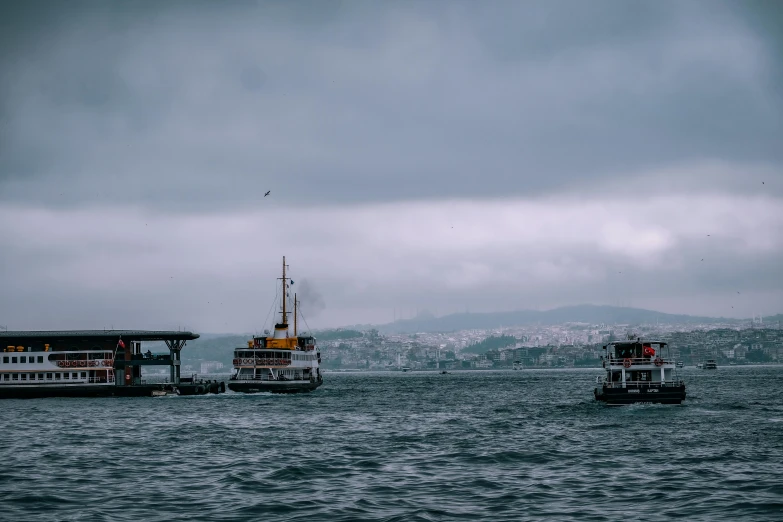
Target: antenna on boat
285,293
295,313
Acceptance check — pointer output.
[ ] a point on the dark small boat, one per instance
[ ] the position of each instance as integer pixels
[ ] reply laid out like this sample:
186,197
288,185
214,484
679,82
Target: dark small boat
637,371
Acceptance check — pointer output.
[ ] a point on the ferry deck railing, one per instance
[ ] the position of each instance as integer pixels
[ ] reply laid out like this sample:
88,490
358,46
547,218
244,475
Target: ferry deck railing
268,378
78,380
638,360
640,384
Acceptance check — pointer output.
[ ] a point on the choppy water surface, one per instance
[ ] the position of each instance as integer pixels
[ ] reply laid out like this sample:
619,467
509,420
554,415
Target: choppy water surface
517,445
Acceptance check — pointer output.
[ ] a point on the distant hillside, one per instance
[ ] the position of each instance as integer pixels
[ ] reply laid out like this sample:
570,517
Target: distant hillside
214,347
592,314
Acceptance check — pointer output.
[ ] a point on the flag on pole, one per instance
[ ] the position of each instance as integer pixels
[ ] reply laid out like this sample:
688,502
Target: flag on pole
121,344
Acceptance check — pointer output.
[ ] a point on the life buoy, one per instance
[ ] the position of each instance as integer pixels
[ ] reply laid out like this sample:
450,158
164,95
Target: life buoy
60,363
92,363
109,362
627,362
658,361
82,363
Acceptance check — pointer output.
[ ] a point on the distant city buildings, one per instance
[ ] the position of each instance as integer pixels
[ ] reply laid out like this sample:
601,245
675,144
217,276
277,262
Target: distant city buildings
211,366
566,345
542,346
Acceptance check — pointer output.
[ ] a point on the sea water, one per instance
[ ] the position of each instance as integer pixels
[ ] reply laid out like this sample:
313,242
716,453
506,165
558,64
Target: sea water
478,445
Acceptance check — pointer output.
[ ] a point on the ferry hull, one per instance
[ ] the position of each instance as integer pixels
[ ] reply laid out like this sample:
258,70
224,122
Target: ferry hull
273,386
652,394
39,392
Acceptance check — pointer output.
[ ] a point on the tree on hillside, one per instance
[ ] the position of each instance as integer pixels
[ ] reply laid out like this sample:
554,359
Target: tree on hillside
491,343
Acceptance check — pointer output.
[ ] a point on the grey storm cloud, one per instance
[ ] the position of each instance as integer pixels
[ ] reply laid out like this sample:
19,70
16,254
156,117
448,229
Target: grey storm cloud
199,105
420,155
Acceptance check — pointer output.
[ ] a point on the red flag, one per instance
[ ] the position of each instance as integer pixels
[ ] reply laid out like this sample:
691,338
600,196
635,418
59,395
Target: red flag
121,344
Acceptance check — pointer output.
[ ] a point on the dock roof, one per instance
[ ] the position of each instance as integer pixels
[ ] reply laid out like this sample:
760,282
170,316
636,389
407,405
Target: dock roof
134,335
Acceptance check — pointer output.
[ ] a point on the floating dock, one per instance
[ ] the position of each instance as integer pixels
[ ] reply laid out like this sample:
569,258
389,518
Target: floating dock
93,363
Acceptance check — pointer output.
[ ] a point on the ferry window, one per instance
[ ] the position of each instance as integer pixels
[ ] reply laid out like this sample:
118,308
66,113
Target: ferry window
23,359
23,377
6,377
5,360
57,376
15,377
13,360
40,376
49,376
75,376
84,375
66,375
40,359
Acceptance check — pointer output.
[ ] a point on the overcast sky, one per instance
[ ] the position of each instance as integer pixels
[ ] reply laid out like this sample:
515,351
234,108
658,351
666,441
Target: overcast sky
420,155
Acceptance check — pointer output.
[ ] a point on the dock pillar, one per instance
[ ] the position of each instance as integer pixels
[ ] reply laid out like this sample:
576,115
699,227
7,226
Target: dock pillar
175,349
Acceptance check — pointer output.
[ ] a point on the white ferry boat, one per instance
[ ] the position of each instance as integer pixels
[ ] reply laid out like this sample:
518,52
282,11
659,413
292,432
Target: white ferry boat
639,371
278,363
710,364
91,363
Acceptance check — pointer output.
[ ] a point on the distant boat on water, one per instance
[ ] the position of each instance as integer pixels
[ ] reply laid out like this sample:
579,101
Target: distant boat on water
280,362
710,365
639,371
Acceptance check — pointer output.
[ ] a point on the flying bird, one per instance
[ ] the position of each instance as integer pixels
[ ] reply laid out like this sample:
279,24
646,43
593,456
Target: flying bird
267,193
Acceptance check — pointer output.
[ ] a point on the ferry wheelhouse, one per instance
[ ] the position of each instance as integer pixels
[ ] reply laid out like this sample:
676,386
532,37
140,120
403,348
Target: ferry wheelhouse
91,363
639,371
280,362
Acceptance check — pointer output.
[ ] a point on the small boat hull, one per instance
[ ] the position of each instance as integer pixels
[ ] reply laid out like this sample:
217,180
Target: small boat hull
648,394
273,386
